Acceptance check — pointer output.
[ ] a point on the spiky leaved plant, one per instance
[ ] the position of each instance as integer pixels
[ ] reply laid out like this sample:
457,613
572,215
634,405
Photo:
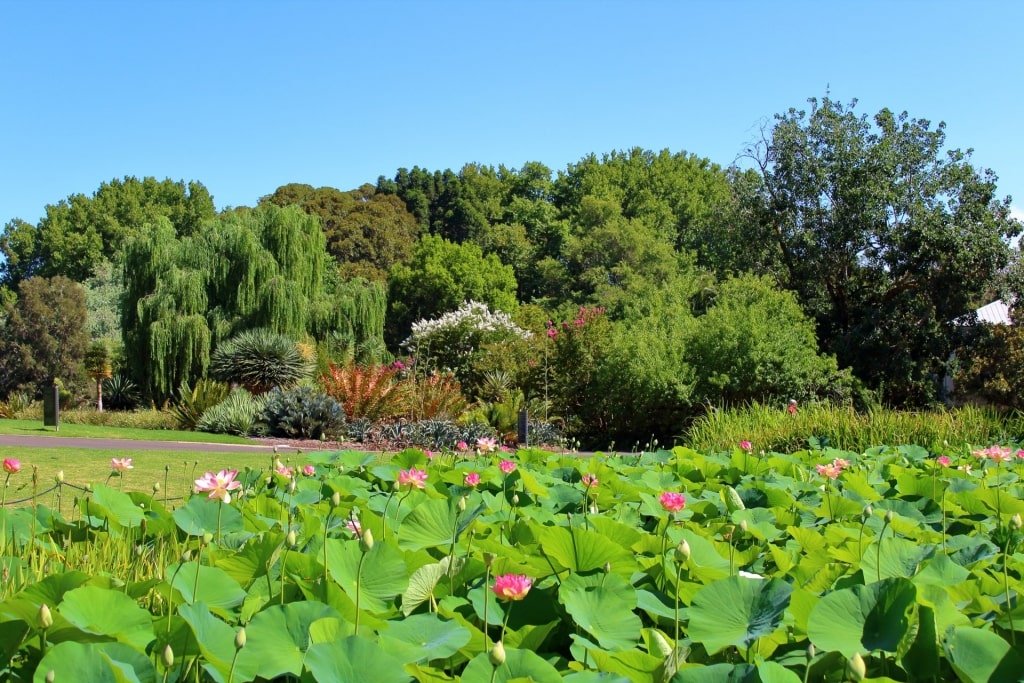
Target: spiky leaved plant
260,360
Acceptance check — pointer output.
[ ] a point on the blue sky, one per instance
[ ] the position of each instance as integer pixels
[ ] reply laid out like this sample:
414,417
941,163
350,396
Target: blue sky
247,96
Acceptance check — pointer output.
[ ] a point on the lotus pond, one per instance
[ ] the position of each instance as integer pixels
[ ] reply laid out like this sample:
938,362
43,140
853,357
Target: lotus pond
820,565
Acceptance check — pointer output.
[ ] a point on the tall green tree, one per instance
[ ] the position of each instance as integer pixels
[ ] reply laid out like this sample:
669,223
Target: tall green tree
78,232
886,237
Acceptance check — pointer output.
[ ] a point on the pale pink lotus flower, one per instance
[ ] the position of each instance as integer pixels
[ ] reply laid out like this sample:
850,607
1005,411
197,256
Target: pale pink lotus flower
672,501
219,485
841,463
943,460
745,445
121,464
830,470
512,586
430,454
507,466
285,471
504,449
12,465
309,470
355,527
589,481
413,478
486,444
995,453
472,478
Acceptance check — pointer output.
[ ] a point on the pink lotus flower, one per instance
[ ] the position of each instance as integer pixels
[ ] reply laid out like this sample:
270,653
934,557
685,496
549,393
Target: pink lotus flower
943,460
430,454
462,446
589,480
121,464
486,444
841,463
12,466
309,470
507,466
355,527
512,586
285,471
413,478
672,501
472,478
1020,454
830,470
996,453
745,445
219,485
504,449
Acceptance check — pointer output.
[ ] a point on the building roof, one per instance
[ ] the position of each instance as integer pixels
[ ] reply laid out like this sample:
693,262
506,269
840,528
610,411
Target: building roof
995,313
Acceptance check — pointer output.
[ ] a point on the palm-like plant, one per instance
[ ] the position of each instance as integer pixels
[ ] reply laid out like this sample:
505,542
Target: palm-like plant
372,392
260,360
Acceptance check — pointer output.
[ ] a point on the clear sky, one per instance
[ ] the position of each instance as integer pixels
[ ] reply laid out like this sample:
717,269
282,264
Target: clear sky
245,96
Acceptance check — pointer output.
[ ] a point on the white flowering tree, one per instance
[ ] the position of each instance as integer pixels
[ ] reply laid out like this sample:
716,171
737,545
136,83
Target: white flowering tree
450,343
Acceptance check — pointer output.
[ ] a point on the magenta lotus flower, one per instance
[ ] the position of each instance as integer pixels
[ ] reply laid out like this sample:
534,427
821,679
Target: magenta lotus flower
486,444
121,464
12,466
507,466
745,445
309,470
472,478
462,446
219,485
589,480
943,460
672,501
512,586
413,478
430,454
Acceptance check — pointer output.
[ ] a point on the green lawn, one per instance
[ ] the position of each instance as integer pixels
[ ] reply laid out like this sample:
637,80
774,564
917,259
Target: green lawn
36,428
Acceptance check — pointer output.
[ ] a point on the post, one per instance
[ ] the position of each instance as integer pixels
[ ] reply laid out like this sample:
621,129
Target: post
51,408
524,428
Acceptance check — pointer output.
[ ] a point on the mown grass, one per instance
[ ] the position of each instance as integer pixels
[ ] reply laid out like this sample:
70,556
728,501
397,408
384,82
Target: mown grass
36,428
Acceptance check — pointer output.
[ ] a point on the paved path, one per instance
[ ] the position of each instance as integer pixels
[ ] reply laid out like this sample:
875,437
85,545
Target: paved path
131,445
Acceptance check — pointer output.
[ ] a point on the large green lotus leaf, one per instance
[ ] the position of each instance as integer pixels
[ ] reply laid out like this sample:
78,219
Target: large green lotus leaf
422,584
354,660
616,532
760,523
254,559
966,550
941,571
979,656
765,672
878,616
214,587
423,637
583,550
50,591
329,630
431,523
519,664
107,612
922,657
216,642
279,636
602,605
199,516
109,662
383,576
117,507
1001,501
899,558
595,677
736,611
637,666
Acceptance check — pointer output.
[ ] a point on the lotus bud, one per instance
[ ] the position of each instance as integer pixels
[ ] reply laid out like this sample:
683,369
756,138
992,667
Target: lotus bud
515,499
1016,522
335,499
143,525
292,486
866,513
268,480
811,651
858,669
607,567
156,488
207,538
240,639
59,477
50,676
366,541
44,619
291,539
462,504
186,556
889,517
497,654
683,552
489,559
743,526
168,656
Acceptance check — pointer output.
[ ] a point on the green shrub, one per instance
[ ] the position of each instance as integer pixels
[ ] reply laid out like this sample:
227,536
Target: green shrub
194,401
120,393
259,360
303,413
132,419
237,414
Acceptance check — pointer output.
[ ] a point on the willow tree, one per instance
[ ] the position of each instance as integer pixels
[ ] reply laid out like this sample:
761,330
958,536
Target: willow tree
265,268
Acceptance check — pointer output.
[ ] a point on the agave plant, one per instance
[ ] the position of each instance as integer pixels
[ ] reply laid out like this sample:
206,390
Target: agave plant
260,360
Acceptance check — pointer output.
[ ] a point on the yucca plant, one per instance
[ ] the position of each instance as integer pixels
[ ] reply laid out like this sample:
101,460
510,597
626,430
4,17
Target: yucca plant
366,391
237,414
194,401
121,392
260,360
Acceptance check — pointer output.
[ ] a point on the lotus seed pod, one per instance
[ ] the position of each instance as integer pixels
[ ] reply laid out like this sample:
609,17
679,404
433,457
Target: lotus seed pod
335,499
44,619
858,669
240,639
168,656
60,476
366,541
683,552
497,654
50,676
1015,521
